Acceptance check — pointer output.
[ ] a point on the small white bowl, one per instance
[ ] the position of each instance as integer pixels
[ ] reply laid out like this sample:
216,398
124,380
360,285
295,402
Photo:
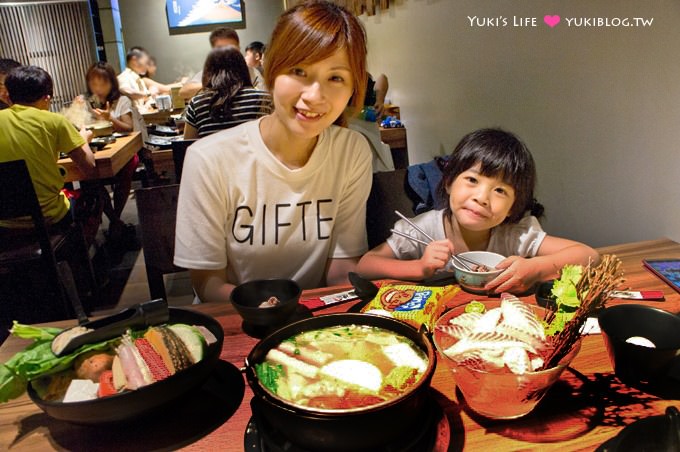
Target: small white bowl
475,281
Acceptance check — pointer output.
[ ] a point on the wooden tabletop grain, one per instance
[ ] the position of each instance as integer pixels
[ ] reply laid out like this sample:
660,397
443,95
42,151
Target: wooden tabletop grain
586,407
109,160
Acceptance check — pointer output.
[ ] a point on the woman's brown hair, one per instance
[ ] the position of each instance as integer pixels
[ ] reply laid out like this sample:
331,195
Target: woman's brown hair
102,69
225,73
311,32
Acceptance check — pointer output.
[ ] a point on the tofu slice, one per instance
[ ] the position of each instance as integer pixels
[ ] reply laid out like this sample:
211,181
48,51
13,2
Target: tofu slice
402,354
81,390
354,372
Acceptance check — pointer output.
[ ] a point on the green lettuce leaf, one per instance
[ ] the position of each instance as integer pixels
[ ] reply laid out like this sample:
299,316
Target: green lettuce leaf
34,332
564,291
37,360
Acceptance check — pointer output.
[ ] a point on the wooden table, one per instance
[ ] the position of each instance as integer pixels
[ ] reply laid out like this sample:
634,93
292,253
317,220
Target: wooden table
160,117
109,160
395,138
587,407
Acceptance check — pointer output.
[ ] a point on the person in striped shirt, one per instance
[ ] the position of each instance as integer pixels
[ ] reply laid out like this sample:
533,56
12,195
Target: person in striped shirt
228,97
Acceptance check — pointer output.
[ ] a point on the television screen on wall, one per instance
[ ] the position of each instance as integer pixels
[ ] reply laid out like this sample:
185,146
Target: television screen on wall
191,16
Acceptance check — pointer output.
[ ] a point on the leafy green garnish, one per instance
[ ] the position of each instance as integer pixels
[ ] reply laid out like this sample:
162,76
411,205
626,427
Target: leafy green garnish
564,291
269,374
36,360
399,376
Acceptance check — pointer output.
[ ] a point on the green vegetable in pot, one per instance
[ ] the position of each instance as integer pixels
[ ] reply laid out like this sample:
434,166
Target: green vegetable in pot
268,374
36,360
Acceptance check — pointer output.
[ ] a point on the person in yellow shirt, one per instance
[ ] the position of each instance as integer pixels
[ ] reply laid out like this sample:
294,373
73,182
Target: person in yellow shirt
28,131
6,65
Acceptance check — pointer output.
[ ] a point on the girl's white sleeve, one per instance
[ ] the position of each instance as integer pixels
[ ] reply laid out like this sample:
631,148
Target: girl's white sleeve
525,237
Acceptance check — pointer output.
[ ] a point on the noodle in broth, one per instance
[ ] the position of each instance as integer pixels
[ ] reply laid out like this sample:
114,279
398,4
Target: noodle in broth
342,367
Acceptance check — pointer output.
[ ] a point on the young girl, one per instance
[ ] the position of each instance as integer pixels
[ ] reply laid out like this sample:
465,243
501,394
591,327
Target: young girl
489,182
228,97
284,196
107,103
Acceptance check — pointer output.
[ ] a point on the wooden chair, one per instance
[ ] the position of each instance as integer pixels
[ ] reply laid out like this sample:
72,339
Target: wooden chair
21,251
179,150
157,211
389,192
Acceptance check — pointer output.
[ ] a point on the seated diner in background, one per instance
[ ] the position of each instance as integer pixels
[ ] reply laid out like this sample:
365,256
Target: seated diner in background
130,81
107,104
284,196
228,97
219,37
255,56
148,78
28,131
488,190
6,65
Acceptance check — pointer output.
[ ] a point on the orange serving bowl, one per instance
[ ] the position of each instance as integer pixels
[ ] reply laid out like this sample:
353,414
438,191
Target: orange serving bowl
498,395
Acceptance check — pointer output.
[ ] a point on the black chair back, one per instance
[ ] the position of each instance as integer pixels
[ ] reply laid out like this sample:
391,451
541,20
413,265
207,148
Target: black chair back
389,192
18,199
179,150
157,211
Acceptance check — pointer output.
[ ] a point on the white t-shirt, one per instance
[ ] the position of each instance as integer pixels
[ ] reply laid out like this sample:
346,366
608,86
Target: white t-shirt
239,207
514,239
130,81
122,107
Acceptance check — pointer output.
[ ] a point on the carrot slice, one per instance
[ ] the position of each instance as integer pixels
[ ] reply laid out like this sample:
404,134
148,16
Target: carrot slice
106,386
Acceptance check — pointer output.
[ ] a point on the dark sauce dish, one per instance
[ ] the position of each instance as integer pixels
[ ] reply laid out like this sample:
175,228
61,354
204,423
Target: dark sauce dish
544,296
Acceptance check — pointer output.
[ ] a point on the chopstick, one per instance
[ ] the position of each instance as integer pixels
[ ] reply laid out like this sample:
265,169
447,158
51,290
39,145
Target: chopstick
411,238
462,260
468,260
417,228
423,242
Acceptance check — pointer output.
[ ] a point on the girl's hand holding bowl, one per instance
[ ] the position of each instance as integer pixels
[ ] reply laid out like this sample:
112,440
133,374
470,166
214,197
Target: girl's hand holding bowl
519,275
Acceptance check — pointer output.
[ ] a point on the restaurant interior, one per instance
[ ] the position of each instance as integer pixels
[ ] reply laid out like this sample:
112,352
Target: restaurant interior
585,356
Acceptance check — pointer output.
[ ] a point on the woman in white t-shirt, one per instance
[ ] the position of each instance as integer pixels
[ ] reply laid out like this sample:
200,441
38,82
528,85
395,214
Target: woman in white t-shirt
285,195
107,104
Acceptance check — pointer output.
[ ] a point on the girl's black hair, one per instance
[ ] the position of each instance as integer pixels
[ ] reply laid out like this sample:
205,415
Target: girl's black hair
500,154
225,73
104,70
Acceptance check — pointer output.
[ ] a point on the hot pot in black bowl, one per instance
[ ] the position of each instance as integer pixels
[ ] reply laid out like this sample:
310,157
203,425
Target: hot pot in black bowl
623,326
132,404
366,428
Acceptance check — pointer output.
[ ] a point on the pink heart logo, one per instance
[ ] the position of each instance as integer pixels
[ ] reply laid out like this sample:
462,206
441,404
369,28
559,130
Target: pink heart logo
551,21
